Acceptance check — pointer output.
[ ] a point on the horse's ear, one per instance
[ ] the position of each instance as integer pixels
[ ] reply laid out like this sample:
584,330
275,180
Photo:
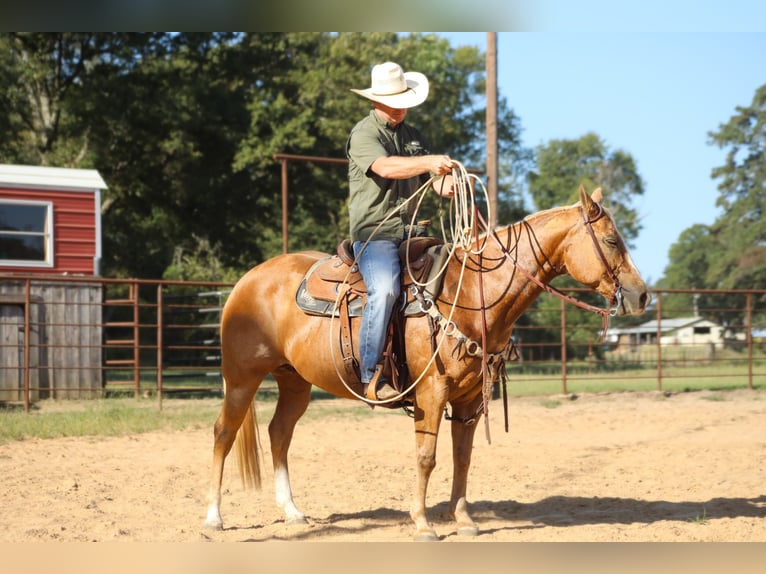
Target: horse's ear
585,201
597,196
589,204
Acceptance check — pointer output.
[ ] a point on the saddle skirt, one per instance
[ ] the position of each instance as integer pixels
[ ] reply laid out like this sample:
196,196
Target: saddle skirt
334,278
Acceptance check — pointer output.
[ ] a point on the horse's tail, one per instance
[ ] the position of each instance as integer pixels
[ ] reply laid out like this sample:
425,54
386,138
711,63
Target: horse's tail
248,446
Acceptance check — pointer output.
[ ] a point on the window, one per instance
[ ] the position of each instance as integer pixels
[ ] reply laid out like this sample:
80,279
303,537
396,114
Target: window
26,233
701,330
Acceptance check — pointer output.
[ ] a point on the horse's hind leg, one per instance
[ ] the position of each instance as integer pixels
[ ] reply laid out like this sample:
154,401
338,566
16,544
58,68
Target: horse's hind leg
294,396
237,400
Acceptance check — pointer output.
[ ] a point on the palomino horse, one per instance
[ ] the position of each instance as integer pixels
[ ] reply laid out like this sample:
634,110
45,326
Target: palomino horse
263,331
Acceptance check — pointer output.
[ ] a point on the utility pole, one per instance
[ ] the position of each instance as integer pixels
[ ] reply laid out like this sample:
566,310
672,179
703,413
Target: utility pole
491,66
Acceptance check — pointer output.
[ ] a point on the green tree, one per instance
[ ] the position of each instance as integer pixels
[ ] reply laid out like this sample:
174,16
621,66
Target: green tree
730,253
562,165
741,229
42,77
167,133
183,127
690,258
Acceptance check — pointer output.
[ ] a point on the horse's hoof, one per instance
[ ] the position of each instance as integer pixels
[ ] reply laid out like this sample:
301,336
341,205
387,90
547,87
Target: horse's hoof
297,521
214,525
427,536
468,531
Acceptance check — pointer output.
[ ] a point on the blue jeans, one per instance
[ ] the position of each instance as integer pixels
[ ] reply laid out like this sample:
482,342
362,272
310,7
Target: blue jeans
381,271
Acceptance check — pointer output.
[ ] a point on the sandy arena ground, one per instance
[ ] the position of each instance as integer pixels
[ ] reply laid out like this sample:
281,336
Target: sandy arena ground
621,467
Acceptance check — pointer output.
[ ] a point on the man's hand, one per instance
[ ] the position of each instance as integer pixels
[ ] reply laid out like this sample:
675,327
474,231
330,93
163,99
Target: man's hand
441,164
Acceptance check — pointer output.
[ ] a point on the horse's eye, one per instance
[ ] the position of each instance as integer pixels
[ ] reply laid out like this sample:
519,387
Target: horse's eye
611,241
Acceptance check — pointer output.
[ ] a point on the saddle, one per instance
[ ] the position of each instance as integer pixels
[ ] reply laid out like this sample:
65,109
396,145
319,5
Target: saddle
333,286
331,279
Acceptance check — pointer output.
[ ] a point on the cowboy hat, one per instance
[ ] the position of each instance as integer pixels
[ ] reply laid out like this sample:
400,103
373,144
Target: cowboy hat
393,87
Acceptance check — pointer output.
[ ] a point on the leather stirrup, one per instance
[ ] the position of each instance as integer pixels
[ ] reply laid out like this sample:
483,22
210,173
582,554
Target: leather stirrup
372,388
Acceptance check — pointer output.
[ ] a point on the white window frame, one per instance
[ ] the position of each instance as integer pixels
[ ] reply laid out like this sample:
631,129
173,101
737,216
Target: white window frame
47,234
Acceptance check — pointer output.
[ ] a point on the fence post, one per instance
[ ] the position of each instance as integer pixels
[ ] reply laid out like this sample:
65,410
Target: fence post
659,343
27,340
284,205
749,328
159,344
563,348
134,289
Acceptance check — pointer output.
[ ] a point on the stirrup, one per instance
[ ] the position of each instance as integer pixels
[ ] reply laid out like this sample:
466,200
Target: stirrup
372,388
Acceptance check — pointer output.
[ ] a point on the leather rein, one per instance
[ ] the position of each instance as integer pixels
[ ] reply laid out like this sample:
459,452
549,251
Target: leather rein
500,358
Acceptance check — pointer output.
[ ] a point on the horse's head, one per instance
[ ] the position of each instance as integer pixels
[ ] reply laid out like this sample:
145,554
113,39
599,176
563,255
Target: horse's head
596,255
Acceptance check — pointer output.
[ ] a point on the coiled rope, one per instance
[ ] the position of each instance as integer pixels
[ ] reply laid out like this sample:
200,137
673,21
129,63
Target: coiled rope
463,228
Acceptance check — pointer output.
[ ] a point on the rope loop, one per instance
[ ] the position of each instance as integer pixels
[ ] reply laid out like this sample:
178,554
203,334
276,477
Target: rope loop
462,226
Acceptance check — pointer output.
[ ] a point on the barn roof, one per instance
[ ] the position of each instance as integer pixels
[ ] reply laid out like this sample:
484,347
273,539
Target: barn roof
37,177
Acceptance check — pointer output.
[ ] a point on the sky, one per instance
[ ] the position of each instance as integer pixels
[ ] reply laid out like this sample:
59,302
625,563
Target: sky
654,94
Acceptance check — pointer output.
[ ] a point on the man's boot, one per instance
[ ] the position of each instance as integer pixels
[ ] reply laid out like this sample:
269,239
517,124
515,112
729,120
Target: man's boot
380,389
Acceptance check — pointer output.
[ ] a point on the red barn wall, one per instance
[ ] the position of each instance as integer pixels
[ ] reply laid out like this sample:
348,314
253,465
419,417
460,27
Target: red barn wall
74,230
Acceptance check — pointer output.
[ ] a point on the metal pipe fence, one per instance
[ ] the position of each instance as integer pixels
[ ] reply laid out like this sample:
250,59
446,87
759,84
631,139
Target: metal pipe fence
74,337
83,337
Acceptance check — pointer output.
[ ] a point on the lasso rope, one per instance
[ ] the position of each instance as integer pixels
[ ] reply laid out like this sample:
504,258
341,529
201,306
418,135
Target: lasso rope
463,227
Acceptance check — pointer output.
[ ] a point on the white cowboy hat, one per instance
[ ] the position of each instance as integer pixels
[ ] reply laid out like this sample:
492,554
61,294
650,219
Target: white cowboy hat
393,87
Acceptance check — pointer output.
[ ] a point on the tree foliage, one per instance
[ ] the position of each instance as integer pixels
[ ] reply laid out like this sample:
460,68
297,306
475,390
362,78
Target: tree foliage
563,165
730,253
183,127
741,229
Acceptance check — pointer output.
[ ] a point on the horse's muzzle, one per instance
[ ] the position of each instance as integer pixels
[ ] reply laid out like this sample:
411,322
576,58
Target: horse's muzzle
633,302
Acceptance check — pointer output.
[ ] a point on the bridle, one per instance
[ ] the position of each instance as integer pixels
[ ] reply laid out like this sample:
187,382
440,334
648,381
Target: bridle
616,298
498,359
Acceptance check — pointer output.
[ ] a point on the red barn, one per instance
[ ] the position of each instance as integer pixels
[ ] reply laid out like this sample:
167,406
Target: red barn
50,224
50,220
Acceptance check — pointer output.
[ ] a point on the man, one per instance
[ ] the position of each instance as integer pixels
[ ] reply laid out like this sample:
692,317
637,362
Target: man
388,161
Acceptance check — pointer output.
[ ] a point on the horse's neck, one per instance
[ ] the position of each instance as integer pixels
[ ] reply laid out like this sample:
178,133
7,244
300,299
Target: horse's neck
535,245
530,247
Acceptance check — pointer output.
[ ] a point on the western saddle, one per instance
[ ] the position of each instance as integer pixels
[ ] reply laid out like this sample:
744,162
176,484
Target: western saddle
333,286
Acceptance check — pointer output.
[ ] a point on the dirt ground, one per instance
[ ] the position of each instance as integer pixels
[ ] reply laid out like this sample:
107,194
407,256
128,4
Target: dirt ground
621,467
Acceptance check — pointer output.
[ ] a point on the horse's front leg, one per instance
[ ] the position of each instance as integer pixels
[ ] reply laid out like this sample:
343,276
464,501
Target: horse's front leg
294,396
463,429
430,399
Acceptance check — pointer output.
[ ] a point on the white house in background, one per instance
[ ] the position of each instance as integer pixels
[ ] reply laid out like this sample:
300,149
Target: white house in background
682,331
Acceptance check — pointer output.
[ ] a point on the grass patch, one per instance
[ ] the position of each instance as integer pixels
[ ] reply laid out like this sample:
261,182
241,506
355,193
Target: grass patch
124,415
640,380
121,415
104,417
